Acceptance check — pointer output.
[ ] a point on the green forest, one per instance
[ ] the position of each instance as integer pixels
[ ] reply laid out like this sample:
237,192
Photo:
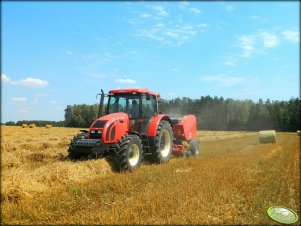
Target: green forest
213,113
238,115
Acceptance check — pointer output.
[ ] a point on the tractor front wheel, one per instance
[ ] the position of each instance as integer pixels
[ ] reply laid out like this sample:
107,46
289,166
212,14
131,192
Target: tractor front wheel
129,154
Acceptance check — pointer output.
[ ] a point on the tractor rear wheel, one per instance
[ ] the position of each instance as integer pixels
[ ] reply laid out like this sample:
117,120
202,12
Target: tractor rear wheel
163,143
129,154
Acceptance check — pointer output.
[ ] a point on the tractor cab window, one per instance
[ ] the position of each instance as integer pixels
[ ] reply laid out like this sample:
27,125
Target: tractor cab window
116,104
127,103
134,111
148,106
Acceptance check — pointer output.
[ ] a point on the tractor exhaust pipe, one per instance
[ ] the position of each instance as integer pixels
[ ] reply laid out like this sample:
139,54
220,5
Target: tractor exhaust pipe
100,109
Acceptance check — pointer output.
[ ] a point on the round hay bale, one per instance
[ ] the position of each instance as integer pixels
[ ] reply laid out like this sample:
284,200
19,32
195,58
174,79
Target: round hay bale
32,126
298,132
185,145
267,136
24,126
48,126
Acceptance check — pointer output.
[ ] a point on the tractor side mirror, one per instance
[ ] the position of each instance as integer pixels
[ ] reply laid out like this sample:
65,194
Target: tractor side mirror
159,101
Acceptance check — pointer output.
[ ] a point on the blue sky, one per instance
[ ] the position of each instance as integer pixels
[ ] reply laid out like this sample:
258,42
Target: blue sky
57,54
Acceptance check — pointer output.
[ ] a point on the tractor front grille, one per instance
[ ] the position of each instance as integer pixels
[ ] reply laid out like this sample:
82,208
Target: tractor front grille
86,143
96,135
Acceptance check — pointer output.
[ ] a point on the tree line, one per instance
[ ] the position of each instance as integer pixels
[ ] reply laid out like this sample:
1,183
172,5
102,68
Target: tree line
213,113
239,115
80,115
40,123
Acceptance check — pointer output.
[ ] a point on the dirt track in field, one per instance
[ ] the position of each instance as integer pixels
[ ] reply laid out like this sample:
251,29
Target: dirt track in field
234,181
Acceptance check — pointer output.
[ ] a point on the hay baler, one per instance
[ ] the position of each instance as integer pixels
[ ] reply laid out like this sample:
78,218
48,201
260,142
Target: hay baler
130,128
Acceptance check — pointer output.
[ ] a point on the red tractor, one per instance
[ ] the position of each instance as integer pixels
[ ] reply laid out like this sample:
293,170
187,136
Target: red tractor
132,129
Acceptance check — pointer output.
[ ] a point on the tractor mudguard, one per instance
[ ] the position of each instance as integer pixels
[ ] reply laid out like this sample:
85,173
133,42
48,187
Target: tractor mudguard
110,127
154,122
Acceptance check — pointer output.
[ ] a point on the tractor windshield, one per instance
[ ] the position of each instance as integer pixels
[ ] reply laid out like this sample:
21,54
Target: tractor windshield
124,103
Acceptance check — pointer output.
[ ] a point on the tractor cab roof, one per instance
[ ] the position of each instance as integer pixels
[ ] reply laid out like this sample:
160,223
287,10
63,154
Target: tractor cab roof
134,91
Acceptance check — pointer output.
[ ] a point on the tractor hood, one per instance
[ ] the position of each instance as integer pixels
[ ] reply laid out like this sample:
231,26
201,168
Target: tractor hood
110,128
113,117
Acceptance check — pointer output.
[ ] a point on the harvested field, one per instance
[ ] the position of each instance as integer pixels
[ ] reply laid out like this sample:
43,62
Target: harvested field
233,181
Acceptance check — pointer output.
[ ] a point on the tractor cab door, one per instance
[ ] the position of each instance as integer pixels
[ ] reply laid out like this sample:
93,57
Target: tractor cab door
148,109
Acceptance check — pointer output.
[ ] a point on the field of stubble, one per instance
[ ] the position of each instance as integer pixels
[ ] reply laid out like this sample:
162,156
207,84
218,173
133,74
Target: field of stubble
233,181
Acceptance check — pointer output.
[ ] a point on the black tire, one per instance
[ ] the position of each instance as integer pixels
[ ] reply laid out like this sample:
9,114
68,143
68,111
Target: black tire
194,148
72,155
163,143
129,155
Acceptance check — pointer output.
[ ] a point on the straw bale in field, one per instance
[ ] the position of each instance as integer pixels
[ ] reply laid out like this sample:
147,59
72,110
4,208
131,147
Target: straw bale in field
185,145
24,126
267,136
32,126
48,126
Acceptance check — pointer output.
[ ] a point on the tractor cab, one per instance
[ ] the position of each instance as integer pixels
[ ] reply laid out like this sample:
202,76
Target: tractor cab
139,104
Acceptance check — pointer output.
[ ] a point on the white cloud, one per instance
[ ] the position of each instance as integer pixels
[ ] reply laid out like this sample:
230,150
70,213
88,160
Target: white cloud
247,42
175,70
229,8
53,102
30,82
269,40
254,17
160,11
222,79
230,61
203,25
168,31
69,53
195,10
173,36
257,43
133,22
145,15
160,25
24,110
5,78
183,4
19,99
291,35
126,80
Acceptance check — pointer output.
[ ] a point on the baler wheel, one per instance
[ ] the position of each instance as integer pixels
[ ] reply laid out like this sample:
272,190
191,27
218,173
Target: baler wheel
194,148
